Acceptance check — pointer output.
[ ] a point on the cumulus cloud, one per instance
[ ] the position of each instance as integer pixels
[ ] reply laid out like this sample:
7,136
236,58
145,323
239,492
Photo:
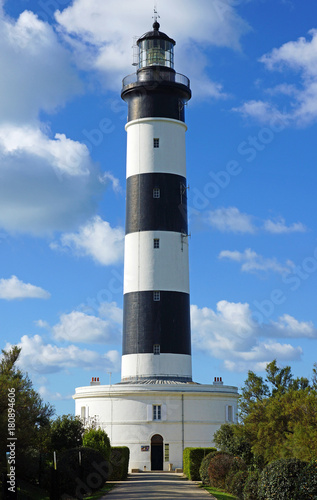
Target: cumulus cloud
80,327
231,220
47,183
36,69
40,357
96,239
233,336
101,34
255,263
279,226
13,288
300,57
287,326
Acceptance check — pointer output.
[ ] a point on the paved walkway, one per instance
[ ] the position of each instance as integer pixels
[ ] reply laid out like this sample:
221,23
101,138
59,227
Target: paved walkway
157,486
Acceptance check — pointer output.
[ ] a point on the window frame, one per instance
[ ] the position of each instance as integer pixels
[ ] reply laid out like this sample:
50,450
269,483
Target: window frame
156,142
156,296
157,412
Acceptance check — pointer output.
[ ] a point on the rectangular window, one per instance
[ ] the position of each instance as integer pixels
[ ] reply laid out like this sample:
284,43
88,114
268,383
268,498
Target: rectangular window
156,143
156,243
156,349
157,413
167,453
83,412
156,193
156,296
229,413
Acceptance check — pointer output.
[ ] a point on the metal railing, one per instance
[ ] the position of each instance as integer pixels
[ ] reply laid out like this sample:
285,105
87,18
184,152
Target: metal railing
157,76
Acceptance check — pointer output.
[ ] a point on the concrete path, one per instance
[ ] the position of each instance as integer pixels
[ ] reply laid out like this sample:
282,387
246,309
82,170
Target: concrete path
157,486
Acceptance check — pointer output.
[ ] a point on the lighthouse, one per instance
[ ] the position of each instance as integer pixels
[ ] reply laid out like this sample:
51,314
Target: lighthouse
156,325
157,410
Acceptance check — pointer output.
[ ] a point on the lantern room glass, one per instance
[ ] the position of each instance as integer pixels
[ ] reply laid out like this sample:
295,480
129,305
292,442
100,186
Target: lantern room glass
155,52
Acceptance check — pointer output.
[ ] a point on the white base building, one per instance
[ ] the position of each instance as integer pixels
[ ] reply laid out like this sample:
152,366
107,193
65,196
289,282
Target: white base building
158,420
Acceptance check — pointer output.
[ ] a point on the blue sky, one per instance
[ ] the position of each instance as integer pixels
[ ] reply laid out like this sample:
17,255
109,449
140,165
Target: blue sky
251,160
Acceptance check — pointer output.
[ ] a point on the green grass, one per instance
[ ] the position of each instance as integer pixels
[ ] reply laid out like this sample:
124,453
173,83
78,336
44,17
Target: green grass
220,495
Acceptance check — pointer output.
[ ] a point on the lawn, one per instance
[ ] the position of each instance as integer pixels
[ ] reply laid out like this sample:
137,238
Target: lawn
220,495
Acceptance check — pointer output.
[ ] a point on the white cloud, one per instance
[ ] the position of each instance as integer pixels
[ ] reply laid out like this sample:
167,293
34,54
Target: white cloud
13,288
253,262
80,327
231,220
101,34
38,195
287,326
231,335
96,239
279,226
39,357
47,183
298,56
36,70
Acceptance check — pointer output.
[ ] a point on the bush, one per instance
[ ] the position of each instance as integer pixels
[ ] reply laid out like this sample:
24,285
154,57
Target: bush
308,482
192,459
98,440
203,469
76,480
235,482
219,468
280,479
250,491
119,463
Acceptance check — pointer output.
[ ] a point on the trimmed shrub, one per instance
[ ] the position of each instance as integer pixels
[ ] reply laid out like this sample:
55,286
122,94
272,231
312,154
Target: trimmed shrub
98,440
235,482
192,459
119,463
250,491
203,469
219,468
308,482
280,479
78,480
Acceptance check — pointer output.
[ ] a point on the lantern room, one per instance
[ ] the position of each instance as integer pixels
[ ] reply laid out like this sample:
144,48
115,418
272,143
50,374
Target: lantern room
156,49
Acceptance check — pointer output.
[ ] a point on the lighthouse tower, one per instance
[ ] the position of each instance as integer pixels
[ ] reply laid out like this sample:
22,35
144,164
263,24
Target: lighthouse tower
156,410
156,327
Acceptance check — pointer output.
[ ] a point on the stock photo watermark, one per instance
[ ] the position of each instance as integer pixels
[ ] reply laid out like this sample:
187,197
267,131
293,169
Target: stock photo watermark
294,280
249,149
11,443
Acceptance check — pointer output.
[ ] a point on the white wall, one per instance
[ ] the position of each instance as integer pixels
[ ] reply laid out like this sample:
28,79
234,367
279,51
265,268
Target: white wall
123,412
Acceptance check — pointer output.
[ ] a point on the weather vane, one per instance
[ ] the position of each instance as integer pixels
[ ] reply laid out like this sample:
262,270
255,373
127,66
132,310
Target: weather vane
156,16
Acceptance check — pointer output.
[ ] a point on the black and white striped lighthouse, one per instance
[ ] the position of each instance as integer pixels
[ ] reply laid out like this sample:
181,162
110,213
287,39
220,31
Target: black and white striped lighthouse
156,328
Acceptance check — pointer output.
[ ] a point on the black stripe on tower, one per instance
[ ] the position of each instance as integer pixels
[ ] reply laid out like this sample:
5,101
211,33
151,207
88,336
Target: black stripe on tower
156,94
165,322
165,212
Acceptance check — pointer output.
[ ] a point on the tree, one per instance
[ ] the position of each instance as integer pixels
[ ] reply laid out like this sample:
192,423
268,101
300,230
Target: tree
29,415
98,440
254,392
66,433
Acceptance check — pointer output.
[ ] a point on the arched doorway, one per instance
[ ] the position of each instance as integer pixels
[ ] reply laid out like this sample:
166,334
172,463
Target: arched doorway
157,452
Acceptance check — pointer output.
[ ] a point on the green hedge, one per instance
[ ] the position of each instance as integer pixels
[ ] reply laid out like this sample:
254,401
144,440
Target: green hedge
204,466
280,479
192,459
119,463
